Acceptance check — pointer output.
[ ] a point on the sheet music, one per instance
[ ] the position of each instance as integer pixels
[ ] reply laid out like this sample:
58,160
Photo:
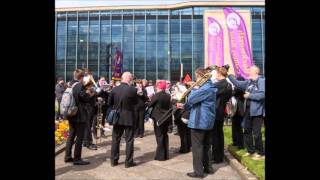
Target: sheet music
150,90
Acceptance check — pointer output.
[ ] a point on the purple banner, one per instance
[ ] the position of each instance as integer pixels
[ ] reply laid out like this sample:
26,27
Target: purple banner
239,45
117,66
215,43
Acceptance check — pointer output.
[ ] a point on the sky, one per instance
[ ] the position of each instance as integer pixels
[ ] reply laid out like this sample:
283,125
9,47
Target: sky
86,3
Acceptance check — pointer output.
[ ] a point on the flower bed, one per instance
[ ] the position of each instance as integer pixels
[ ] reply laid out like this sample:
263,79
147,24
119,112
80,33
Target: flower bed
61,131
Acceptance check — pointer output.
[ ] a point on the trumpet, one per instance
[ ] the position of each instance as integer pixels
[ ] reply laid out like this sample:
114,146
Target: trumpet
88,81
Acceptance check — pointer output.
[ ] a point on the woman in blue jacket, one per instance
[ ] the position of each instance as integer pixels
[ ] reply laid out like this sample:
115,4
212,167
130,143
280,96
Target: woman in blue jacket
202,102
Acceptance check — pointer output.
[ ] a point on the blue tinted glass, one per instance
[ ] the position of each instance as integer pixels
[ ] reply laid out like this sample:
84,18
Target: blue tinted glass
139,59
71,48
151,48
163,49
105,43
60,49
93,44
82,44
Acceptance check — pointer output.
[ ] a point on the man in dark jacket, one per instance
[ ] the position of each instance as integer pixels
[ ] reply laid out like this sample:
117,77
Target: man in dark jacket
140,108
104,93
254,96
125,97
77,124
59,92
91,124
237,130
223,95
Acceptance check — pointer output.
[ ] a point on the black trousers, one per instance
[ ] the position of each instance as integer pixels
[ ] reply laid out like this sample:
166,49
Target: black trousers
201,142
104,114
162,151
139,129
116,138
88,131
185,137
75,130
237,131
218,141
252,125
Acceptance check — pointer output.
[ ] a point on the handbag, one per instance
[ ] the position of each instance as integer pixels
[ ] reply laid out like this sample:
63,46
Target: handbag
114,115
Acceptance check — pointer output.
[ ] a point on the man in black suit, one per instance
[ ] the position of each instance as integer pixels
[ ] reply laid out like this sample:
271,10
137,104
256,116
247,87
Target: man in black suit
77,124
223,95
140,108
124,96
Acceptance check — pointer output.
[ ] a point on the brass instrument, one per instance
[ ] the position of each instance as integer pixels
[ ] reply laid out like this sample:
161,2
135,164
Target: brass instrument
99,119
200,82
89,82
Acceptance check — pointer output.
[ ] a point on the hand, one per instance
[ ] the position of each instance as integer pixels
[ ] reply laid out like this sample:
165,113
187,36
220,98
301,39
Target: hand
180,105
246,95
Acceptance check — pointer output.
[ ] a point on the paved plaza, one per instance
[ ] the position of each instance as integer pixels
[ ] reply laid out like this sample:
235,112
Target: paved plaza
175,168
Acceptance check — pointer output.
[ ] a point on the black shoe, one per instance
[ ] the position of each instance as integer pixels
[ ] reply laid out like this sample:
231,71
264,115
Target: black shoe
81,162
208,171
114,164
217,162
194,175
92,147
130,165
68,159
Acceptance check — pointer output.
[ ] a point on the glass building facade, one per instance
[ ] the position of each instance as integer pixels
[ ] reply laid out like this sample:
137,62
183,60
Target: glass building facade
154,42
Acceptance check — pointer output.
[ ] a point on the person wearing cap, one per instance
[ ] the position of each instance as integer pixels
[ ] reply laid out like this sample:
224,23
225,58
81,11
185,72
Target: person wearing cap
161,103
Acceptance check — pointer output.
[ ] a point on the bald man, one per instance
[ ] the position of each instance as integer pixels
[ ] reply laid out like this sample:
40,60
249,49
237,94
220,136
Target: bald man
123,97
254,96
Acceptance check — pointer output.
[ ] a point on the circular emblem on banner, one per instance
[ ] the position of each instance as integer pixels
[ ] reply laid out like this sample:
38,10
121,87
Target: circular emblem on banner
214,28
233,21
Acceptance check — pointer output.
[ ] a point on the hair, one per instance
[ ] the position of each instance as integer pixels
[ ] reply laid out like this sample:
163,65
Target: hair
223,71
60,79
201,71
138,81
78,74
257,68
126,76
101,77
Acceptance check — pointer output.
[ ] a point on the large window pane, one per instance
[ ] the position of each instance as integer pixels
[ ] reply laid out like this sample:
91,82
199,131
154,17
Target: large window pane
60,49
93,43
105,43
151,47
71,45
127,43
175,46
186,44
82,40
139,51
163,48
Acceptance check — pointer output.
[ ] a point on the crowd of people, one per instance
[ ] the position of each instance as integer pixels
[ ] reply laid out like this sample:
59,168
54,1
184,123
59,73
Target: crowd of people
199,117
